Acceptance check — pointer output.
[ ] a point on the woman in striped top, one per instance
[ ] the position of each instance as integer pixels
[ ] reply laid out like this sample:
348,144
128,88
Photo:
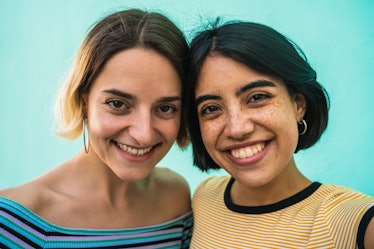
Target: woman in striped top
125,94
253,102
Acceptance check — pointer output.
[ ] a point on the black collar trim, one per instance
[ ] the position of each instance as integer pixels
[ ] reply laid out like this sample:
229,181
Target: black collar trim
303,194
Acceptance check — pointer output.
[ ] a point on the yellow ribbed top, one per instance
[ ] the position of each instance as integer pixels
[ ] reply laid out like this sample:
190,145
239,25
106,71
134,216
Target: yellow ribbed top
321,216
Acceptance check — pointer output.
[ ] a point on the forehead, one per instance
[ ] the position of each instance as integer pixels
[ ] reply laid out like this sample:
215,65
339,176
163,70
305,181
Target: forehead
220,74
139,69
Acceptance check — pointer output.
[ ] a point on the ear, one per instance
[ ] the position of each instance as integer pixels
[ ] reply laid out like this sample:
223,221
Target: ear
300,102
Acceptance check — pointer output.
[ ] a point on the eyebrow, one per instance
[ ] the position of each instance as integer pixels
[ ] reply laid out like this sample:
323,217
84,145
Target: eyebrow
170,99
130,96
253,84
241,90
120,93
203,98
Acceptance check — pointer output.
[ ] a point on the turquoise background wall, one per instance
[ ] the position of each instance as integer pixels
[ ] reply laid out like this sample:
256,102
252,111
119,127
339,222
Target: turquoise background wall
40,38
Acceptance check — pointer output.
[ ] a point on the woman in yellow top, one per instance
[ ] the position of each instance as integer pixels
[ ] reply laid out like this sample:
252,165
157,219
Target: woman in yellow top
254,101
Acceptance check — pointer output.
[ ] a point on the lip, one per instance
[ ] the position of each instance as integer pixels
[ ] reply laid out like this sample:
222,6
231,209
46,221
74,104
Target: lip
248,160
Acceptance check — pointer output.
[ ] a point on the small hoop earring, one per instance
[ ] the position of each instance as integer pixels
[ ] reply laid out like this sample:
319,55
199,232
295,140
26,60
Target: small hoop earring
303,122
86,138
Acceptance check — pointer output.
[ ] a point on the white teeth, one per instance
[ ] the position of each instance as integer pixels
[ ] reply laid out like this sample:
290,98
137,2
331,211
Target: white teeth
248,151
134,151
242,154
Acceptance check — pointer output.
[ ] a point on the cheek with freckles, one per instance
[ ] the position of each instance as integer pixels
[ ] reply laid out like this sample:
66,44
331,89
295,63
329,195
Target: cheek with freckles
210,136
286,122
206,133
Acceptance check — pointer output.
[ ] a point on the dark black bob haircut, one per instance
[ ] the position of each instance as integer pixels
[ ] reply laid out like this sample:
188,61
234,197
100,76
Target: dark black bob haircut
266,51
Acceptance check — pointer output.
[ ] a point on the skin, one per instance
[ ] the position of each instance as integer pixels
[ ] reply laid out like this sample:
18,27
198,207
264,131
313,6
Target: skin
130,131
248,124
369,235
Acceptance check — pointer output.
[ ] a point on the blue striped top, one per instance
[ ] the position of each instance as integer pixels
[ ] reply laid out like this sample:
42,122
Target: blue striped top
21,228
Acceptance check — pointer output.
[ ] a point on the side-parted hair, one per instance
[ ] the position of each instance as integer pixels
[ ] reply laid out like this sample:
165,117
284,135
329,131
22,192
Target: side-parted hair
115,33
266,51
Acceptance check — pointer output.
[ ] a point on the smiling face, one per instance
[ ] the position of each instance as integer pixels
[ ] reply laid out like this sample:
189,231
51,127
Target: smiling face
248,121
134,110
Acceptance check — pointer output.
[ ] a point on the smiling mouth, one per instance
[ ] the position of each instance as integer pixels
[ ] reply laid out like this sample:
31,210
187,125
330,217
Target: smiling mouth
247,151
134,151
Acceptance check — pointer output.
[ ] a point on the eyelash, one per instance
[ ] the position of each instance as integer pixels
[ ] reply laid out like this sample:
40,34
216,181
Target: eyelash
112,104
258,97
171,109
252,99
208,110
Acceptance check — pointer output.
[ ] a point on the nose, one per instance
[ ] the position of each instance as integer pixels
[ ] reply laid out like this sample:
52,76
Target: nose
238,124
142,128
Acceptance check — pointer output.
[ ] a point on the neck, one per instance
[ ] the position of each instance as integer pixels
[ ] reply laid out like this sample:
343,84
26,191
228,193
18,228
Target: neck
86,176
287,184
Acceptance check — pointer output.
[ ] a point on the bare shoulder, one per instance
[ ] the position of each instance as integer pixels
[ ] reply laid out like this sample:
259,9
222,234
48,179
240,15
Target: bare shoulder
172,188
168,178
27,195
35,194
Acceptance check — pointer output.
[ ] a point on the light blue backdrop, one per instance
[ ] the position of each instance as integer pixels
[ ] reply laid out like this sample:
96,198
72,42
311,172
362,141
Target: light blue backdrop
40,38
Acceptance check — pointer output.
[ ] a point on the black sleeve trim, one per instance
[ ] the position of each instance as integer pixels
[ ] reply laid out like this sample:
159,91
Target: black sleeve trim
363,226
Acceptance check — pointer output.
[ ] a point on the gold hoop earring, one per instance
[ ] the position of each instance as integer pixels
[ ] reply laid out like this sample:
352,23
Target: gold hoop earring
86,138
303,123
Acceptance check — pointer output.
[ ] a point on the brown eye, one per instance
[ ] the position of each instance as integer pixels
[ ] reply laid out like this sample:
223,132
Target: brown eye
209,110
258,97
116,104
167,109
